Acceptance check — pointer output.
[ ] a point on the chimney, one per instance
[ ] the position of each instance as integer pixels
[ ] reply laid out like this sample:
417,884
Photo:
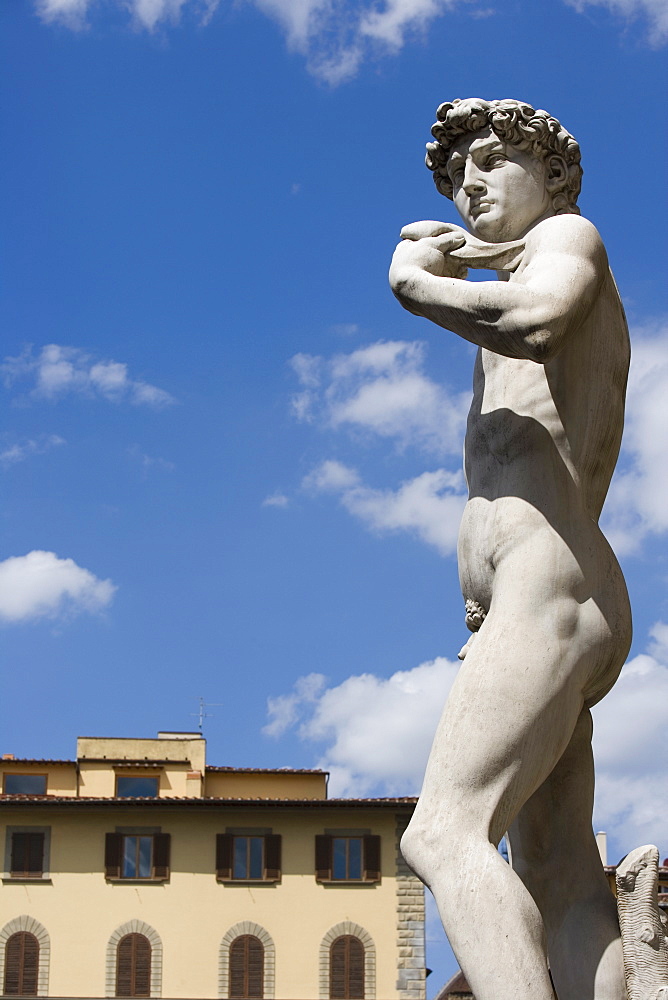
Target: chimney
602,844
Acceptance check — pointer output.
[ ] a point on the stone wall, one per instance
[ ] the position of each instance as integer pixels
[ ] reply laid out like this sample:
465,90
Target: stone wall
411,971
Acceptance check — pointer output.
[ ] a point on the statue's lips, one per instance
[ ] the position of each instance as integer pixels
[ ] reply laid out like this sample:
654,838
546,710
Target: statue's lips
478,207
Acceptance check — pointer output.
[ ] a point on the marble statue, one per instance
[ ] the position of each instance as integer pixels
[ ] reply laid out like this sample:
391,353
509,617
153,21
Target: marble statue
644,926
545,597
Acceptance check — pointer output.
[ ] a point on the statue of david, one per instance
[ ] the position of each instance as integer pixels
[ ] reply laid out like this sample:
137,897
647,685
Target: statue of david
545,596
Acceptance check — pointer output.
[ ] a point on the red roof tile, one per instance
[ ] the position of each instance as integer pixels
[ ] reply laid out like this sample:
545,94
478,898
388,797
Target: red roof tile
458,984
71,800
33,760
265,770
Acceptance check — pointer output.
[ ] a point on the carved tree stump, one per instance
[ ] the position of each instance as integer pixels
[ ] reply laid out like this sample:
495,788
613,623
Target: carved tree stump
644,940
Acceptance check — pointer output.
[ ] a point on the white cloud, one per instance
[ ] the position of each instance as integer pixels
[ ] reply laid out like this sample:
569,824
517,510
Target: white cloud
428,507
148,462
636,505
336,37
69,12
276,500
631,750
390,22
382,390
145,13
331,477
57,371
345,329
19,452
376,732
40,585
284,710
333,35
654,11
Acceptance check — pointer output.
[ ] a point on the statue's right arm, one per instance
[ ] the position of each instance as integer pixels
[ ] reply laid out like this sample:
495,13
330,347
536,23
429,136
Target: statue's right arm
530,317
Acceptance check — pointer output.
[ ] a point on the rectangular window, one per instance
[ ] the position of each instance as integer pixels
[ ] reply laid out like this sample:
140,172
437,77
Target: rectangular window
248,857
137,855
27,855
137,861
24,784
347,857
137,787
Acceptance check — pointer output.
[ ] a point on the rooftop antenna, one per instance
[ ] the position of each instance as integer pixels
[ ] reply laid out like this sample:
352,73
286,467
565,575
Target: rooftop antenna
201,714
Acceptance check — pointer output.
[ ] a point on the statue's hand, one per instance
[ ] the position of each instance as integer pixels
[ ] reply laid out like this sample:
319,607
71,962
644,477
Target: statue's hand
427,246
422,230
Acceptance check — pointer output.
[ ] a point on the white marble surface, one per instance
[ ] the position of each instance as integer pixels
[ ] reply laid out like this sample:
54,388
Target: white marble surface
513,748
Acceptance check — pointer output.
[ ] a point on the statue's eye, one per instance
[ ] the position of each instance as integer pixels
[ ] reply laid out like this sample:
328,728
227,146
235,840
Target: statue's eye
495,160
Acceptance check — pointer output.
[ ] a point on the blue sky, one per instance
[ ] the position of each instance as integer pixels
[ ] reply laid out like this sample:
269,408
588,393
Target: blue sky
230,461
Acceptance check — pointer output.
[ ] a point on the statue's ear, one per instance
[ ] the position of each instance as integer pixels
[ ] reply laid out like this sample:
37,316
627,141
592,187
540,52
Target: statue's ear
556,172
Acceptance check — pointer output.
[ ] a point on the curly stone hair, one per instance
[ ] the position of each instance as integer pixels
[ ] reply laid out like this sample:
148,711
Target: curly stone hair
536,132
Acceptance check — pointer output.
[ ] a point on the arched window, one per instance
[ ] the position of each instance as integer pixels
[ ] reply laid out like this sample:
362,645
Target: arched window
246,968
21,965
346,968
133,966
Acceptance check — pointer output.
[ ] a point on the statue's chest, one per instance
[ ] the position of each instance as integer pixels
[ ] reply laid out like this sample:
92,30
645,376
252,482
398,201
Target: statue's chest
511,384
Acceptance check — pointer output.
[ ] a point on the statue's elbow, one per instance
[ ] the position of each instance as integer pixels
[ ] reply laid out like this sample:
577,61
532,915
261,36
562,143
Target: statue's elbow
401,289
542,346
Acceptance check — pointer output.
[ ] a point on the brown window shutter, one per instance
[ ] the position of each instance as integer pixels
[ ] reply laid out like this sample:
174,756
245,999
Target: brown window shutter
272,857
133,966
21,965
355,969
161,852
19,853
142,984
223,856
35,853
255,968
124,967
346,969
27,854
337,969
323,857
113,847
372,858
246,968
237,976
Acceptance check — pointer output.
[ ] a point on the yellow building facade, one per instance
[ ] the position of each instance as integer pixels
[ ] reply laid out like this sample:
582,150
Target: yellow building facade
139,870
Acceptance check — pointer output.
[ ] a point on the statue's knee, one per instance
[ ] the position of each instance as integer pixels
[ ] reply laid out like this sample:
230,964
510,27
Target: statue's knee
417,848
425,844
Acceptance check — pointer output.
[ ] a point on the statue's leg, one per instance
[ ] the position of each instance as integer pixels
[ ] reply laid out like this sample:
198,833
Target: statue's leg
509,718
554,853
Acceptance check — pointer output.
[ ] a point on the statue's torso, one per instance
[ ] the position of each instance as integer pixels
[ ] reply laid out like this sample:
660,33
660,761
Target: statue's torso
541,444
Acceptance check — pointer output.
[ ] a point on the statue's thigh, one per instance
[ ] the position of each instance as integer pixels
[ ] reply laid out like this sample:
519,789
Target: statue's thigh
553,830
509,717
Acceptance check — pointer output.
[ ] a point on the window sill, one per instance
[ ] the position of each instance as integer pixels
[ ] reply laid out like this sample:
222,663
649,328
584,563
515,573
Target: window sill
348,881
248,881
31,879
137,881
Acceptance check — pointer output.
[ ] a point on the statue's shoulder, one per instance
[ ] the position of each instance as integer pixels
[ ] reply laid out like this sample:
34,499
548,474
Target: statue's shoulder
569,234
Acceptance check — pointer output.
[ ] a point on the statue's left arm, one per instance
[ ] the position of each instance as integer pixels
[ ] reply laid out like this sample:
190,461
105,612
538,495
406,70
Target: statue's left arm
529,317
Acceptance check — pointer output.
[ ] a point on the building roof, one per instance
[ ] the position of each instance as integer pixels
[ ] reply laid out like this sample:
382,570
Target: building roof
180,802
458,984
142,761
33,760
264,770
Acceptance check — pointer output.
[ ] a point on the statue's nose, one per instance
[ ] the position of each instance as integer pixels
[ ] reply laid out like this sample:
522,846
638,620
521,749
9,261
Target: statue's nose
473,180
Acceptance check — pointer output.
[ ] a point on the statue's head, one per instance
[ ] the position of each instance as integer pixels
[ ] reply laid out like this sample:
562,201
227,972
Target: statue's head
533,139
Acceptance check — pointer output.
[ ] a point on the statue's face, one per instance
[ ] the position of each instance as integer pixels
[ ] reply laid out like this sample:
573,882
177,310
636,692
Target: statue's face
499,190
